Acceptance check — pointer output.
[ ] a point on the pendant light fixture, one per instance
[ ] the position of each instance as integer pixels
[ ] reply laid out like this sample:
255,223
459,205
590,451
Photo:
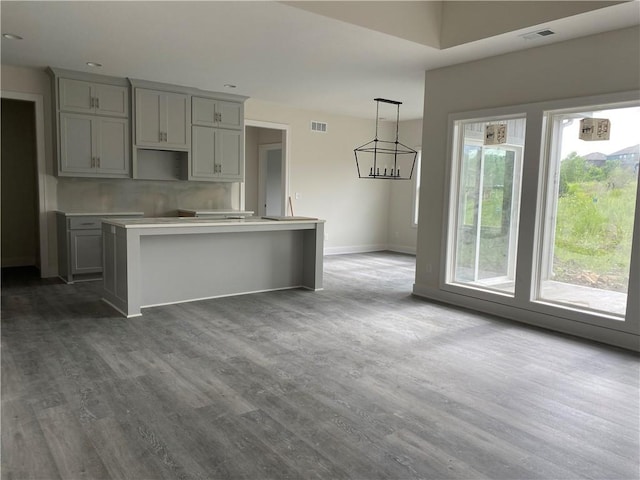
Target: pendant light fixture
385,159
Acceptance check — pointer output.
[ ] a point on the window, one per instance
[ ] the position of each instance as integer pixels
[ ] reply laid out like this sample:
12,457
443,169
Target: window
416,190
589,191
485,206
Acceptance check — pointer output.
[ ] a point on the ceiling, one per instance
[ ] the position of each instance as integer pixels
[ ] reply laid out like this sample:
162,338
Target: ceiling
325,56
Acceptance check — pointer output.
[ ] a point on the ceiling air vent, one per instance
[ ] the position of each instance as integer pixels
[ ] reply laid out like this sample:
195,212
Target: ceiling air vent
320,127
539,34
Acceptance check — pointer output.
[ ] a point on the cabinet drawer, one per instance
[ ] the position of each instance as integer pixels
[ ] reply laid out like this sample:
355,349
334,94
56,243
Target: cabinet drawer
85,223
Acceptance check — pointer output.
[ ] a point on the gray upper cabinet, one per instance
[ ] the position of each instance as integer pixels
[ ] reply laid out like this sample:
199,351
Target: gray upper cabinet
94,146
217,113
93,98
217,140
162,119
216,155
92,125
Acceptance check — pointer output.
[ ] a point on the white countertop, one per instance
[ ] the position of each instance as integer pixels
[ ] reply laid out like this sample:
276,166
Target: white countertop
202,221
98,214
216,211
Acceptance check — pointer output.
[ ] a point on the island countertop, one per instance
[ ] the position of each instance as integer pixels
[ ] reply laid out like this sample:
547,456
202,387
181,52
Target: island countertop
159,261
181,222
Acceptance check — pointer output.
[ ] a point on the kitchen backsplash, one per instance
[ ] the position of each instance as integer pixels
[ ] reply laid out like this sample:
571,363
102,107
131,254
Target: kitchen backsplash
154,198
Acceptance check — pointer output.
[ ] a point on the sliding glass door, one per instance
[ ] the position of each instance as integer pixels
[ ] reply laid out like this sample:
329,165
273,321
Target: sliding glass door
487,200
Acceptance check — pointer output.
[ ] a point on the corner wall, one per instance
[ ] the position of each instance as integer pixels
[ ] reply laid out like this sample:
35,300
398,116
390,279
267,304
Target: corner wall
322,170
402,234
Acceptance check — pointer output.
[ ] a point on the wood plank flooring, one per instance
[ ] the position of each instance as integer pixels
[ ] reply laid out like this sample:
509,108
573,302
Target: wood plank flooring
358,381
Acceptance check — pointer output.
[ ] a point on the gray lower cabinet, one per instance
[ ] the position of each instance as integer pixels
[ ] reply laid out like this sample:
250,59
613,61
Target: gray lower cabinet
80,244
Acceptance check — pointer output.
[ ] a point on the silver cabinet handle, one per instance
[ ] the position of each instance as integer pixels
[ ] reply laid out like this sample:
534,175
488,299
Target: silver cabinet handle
92,103
160,136
97,102
93,162
98,161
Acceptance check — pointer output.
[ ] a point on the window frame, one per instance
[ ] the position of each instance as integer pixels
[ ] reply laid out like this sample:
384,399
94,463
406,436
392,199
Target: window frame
452,214
548,199
415,200
538,313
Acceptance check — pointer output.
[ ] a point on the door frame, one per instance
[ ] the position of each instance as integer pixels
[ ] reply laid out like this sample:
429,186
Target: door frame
262,171
38,101
286,149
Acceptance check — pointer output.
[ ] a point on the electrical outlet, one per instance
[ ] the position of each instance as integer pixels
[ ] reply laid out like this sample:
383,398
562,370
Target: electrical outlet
297,195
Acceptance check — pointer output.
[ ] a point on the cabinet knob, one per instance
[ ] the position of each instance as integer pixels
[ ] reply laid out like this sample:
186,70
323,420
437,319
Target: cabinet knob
97,102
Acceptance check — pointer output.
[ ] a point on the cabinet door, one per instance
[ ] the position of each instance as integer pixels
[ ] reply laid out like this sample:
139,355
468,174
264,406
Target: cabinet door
111,100
76,144
203,111
148,126
231,114
86,251
112,148
203,153
75,96
229,155
176,120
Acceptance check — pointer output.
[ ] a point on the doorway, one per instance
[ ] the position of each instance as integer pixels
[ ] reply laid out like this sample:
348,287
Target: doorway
19,185
266,187
270,180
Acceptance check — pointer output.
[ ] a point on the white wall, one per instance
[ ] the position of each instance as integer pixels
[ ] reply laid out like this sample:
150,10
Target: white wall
598,64
322,170
402,234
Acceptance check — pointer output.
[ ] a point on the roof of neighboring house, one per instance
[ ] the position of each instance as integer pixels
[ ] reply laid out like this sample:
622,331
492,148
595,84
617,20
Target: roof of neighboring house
632,149
595,156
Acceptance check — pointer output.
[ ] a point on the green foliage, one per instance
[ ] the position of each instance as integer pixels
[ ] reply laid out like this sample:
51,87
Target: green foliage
594,224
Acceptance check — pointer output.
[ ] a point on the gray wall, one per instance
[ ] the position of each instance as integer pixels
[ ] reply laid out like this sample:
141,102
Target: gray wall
19,193
598,64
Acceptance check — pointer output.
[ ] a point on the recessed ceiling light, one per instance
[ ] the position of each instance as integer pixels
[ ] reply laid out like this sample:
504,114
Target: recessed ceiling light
94,64
229,85
11,36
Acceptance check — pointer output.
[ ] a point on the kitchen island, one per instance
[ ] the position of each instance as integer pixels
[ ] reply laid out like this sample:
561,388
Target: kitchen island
159,261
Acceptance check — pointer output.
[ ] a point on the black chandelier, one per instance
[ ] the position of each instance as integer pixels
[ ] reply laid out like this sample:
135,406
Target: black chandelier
385,159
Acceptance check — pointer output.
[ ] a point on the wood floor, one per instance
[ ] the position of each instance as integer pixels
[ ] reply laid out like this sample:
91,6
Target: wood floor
358,381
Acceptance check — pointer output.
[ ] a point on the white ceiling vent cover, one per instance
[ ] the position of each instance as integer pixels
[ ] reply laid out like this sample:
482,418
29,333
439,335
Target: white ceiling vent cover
320,127
538,34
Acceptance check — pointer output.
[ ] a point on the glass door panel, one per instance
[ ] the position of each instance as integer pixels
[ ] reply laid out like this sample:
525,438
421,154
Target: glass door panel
487,208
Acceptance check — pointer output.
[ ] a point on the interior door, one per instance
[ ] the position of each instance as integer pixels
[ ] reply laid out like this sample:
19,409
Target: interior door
271,183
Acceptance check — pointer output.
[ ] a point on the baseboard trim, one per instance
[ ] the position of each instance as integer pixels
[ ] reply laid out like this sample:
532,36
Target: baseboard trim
626,340
18,262
402,249
354,249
